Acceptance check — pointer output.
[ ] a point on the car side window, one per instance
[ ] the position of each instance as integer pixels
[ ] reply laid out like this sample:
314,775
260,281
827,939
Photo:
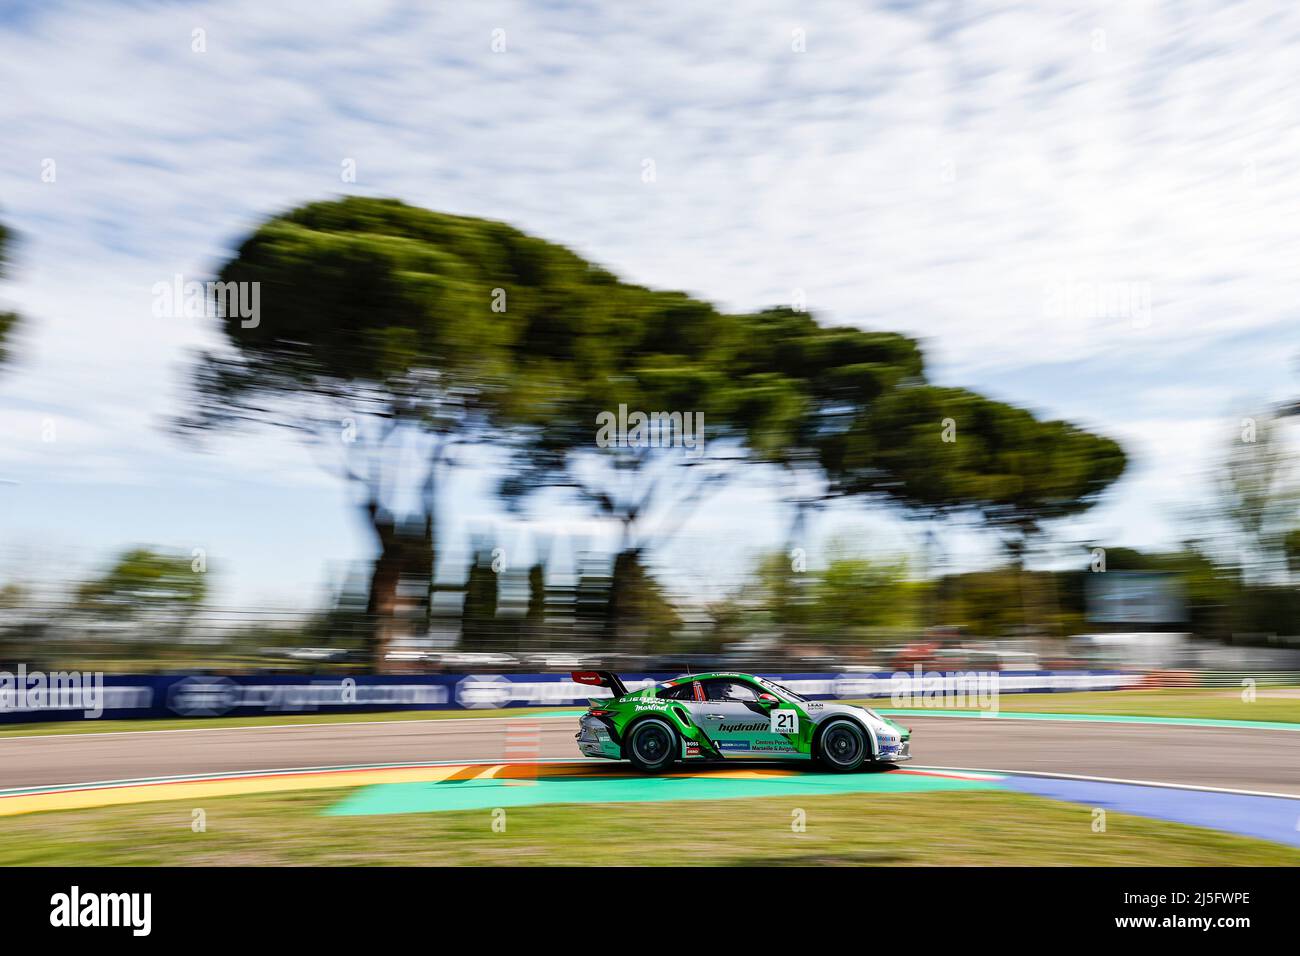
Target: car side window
720,690
680,692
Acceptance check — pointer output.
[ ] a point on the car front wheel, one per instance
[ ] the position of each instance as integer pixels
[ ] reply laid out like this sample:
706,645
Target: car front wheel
652,745
842,746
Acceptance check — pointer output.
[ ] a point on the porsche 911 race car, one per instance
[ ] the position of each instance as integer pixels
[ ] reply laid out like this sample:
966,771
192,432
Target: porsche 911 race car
725,716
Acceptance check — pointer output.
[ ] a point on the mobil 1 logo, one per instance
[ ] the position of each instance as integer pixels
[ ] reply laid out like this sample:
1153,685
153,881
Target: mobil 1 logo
785,721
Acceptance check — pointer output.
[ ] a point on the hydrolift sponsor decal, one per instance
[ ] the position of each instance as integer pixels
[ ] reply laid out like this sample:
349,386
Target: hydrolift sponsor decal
74,908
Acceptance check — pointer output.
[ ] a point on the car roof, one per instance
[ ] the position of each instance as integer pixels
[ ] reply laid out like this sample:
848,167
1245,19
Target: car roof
684,678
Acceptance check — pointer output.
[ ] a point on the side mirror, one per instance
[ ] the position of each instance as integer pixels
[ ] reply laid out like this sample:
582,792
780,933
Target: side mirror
768,699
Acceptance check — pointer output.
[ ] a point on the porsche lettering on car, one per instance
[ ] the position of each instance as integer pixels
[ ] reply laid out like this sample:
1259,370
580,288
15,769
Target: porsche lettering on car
728,716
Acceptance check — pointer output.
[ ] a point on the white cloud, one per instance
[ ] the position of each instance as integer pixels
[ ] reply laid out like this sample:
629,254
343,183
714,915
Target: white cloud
923,168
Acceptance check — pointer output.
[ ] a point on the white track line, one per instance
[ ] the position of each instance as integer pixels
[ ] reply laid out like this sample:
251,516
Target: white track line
1135,783
311,726
1119,720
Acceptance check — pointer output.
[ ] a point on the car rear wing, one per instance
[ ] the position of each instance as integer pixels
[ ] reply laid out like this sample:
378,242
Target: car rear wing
601,679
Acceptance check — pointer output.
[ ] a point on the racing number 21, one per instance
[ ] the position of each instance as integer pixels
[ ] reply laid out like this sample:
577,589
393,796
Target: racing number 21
785,722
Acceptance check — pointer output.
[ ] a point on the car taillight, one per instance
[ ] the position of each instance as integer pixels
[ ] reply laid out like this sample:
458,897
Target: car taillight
599,713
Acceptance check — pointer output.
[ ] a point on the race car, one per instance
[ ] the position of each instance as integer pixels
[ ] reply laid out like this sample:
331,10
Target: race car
724,716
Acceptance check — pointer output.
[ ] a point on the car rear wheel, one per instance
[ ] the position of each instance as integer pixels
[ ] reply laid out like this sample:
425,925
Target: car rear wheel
842,746
652,745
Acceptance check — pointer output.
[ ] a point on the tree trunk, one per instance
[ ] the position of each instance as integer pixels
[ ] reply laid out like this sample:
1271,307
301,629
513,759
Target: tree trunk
622,598
381,610
479,629
405,552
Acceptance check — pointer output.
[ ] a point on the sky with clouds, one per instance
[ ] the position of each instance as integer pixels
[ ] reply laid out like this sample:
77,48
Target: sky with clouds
967,173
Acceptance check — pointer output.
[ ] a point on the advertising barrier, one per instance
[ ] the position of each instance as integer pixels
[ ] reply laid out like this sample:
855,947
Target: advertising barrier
28,697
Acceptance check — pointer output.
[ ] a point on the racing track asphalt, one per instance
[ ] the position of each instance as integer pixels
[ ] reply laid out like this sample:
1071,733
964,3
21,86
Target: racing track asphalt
1244,759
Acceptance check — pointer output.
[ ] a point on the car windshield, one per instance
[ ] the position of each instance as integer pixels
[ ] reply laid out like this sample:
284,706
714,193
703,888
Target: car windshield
781,689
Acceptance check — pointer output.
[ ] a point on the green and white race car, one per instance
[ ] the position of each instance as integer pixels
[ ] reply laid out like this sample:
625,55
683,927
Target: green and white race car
725,716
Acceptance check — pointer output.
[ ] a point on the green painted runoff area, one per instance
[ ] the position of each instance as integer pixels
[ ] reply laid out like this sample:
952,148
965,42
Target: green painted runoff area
489,794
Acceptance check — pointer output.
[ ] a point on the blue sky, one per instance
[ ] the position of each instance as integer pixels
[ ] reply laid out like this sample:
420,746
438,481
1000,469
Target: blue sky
924,168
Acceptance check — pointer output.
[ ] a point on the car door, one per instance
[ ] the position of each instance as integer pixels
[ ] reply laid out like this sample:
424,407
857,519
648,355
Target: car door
737,721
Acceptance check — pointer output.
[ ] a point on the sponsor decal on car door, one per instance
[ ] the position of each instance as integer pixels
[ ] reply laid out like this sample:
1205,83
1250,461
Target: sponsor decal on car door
739,725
